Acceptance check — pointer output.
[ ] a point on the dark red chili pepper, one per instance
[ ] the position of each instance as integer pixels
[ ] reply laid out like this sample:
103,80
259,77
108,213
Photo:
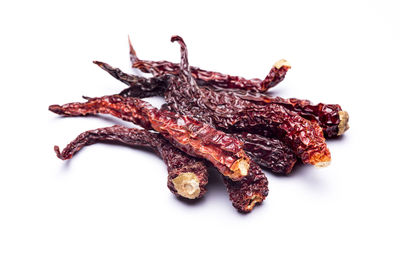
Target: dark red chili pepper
267,152
330,117
211,78
189,135
248,192
187,176
230,113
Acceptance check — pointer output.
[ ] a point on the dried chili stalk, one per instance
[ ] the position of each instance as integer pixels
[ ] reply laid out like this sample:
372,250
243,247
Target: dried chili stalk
211,78
189,135
187,176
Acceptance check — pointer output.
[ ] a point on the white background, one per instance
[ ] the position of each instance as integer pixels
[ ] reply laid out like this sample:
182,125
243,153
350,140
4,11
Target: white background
109,205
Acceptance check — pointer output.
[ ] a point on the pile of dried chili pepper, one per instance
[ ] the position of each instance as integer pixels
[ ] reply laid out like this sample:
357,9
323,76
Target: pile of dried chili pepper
212,119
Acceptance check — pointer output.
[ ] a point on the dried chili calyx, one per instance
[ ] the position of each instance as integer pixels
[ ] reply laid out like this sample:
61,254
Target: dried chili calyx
191,136
211,78
187,176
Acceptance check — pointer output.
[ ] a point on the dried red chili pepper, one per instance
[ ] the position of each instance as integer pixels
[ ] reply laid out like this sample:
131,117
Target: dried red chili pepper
189,135
230,113
211,78
187,176
227,111
248,192
331,117
268,152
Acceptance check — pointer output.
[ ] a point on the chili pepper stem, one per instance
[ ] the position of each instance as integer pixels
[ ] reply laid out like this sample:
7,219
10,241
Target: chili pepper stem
281,63
187,185
241,166
344,122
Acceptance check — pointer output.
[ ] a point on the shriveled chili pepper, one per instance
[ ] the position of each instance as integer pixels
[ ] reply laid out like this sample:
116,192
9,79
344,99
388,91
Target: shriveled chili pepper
191,136
330,117
211,78
228,112
187,176
248,192
270,153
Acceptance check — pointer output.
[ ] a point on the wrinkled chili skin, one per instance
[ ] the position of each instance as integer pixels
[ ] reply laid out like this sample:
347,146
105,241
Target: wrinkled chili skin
177,161
327,115
191,136
248,192
268,152
211,78
230,113
140,87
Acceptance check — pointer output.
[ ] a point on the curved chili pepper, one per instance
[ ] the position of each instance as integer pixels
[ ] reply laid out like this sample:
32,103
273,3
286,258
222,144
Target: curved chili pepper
331,117
211,78
233,114
187,176
189,135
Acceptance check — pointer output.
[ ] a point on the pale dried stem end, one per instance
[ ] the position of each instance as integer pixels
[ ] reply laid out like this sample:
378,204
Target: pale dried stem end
254,200
279,64
343,122
187,185
322,164
240,168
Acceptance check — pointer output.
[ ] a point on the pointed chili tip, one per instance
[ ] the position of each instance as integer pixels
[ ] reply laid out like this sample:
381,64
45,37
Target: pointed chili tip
87,97
177,38
131,50
56,109
58,153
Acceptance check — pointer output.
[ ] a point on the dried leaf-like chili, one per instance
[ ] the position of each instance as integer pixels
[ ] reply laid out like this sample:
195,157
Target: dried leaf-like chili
191,136
187,176
211,78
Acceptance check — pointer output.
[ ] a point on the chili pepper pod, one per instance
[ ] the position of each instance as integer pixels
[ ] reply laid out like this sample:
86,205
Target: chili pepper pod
250,191
230,113
189,135
330,117
211,78
187,176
